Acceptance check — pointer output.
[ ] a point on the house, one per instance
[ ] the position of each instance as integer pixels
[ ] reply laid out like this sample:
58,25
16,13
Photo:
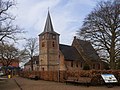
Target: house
27,66
56,56
11,66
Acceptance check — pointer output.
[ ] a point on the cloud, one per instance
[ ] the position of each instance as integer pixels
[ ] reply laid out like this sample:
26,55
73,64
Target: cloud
67,16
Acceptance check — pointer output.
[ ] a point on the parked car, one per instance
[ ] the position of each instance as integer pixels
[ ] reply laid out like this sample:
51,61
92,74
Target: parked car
35,77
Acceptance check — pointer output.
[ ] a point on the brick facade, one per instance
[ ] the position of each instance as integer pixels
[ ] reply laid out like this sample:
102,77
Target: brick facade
48,47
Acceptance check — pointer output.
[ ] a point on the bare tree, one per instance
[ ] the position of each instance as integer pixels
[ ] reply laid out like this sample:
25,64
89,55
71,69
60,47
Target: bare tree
9,54
7,29
102,28
31,49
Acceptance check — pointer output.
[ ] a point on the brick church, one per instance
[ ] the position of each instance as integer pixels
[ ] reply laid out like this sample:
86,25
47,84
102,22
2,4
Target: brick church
54,56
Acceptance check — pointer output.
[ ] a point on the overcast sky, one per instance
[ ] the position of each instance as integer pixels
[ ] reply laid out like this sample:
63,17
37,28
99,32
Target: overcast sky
67,16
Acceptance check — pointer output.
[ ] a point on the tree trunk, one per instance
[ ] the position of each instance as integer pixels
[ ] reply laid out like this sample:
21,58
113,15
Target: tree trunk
112,51
31,63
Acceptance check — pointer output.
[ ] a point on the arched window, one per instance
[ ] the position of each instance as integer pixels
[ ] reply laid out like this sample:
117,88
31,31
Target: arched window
98,66
53,44
94,66
42,69
71,63
43,44
76,64
81,65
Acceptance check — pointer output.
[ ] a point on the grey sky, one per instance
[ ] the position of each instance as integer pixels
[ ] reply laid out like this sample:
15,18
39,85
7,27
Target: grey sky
67,16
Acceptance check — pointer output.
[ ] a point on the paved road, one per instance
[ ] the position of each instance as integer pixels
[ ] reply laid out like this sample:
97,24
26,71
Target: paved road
19,83
8,84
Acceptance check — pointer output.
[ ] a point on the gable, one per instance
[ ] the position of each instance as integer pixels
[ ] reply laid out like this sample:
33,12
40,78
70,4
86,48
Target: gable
88,50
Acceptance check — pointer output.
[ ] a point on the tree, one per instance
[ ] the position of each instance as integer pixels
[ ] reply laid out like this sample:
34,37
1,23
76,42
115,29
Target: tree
102,28
9,54
7,29
31,49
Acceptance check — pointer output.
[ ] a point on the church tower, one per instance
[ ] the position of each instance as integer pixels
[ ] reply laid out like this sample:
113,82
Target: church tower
48,47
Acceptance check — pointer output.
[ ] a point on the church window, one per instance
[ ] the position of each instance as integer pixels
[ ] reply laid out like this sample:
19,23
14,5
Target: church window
42,69
93,66
43,44
53,44
76,64
71,63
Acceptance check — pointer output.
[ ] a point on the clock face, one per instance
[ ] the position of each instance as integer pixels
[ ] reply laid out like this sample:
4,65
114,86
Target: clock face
43,37
53,36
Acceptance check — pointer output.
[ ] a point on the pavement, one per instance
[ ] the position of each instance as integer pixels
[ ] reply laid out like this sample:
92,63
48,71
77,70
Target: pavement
19,83
8,84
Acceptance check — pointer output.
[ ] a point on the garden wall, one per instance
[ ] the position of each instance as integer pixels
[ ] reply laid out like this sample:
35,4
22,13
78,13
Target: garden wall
61,76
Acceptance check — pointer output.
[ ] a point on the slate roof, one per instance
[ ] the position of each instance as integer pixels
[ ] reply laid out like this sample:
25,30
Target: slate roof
88,50
70,53
48,25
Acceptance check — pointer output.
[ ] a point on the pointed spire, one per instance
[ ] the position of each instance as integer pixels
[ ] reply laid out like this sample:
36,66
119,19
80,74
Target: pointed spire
48,24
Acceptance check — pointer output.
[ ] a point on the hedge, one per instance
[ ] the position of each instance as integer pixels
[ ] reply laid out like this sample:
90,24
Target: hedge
61,76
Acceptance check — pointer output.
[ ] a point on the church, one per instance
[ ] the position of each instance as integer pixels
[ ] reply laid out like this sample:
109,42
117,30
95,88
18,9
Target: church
55,56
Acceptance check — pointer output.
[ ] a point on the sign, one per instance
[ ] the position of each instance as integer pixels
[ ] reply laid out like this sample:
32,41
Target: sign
109,78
